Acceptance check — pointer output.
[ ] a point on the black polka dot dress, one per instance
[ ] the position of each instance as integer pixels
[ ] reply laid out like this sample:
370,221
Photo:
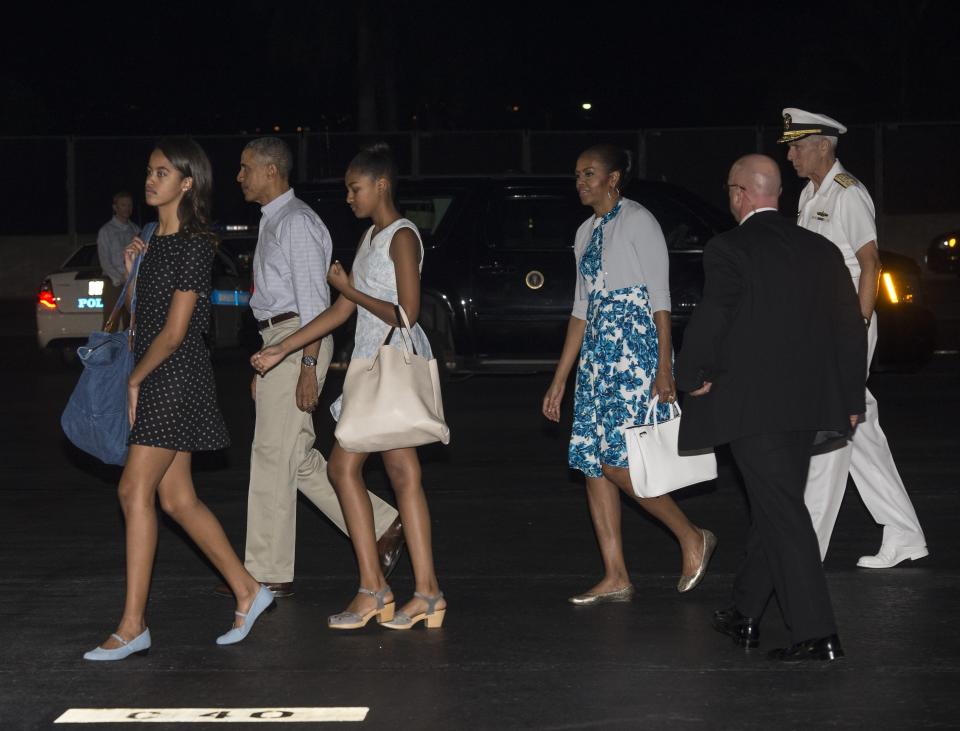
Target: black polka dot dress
177,405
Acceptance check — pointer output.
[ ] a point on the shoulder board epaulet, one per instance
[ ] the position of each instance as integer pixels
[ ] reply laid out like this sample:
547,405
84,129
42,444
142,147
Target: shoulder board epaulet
845,180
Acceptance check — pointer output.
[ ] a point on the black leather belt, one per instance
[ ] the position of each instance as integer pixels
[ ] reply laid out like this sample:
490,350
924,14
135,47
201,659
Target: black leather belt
275,320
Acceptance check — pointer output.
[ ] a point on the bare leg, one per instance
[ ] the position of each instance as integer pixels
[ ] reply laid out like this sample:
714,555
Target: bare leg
179,500
667,511
137,494
345,470
604,501
403,469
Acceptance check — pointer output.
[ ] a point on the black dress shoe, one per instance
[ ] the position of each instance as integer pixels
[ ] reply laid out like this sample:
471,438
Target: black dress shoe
821,648
278,588
745,631
389,547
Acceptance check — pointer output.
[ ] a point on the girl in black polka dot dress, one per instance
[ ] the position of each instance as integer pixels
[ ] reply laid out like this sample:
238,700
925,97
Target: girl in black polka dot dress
172,396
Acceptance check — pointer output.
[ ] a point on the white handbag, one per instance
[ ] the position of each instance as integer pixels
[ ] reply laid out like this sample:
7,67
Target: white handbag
656,466
392,400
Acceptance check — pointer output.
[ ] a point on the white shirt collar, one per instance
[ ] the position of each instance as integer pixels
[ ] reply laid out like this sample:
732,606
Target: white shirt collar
277,203
755,210
834,170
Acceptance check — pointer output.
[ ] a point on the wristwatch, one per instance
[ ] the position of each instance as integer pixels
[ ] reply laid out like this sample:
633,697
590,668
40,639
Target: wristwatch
309,361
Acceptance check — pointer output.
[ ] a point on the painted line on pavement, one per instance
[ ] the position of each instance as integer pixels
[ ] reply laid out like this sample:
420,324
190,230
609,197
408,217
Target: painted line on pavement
212,715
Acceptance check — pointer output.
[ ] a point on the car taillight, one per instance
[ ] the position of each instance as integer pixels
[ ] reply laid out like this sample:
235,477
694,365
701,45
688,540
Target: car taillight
46,298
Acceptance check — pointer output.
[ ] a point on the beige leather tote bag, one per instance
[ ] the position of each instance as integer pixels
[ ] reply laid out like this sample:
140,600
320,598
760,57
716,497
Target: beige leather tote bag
392,400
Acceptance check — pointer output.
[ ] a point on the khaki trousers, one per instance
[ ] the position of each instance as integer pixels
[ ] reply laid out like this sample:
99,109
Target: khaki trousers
284,460
866,458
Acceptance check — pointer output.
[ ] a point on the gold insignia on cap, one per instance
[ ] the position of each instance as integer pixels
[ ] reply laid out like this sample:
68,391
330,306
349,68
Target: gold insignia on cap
796,134
845,180
787,119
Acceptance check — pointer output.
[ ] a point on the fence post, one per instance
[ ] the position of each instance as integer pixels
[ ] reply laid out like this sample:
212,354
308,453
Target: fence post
526,161
71,183
878,177
641,154
415,153
302,158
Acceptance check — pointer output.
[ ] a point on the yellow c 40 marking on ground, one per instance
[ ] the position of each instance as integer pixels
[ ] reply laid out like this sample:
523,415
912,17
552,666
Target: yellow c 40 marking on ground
212,715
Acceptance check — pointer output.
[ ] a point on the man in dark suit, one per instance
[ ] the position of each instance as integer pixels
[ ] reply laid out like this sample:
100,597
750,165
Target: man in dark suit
772,359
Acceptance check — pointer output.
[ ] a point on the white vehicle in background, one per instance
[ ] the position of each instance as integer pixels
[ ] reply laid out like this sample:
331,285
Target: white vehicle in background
70,302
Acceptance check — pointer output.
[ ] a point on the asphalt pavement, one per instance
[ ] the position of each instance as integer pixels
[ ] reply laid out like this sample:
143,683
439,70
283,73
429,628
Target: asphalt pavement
512,540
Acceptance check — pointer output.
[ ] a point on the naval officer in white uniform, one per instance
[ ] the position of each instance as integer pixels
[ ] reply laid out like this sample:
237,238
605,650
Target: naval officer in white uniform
838,206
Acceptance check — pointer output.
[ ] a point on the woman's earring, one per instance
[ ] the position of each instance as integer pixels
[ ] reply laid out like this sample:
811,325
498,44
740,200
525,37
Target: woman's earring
609,197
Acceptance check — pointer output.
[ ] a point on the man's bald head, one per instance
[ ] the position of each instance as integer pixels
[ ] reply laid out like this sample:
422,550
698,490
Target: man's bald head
754,182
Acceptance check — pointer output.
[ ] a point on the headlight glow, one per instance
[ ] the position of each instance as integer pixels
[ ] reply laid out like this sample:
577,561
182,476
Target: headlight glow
890,287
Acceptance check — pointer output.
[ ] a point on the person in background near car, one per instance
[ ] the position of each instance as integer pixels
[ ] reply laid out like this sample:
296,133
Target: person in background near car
620,329
838,206
172,397
112,238
290,287
386,273
770,358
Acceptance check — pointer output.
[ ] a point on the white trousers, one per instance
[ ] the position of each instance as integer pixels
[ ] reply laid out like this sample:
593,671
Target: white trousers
866,457
284,460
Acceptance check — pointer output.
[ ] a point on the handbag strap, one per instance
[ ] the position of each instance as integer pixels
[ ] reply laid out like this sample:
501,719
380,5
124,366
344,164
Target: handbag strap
652,410
404,327
148,231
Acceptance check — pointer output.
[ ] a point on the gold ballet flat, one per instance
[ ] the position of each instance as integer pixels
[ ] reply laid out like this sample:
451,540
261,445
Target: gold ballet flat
620,595
686,583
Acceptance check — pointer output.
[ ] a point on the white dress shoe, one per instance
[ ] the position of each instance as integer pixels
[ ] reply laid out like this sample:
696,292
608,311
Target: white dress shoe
890,556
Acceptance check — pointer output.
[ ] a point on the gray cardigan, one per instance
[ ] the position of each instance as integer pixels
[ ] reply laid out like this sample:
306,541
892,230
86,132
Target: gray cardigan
634,253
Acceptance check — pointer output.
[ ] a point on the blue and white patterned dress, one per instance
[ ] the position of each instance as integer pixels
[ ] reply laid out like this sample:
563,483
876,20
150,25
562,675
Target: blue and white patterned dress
618,364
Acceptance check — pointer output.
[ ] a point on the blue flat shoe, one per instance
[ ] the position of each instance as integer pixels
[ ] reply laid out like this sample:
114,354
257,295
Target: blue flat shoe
139,645
262,602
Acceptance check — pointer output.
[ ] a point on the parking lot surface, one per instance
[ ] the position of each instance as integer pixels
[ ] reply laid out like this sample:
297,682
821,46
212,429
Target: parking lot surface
512,540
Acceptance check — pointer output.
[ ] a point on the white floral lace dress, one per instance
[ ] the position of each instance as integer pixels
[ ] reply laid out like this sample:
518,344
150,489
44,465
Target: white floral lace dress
374,274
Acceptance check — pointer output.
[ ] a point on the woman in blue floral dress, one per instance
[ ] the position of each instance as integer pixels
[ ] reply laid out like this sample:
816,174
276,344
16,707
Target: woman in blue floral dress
620,333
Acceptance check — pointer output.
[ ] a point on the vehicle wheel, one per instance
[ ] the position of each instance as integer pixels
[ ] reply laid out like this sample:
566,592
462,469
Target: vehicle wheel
68,356
55,358
440,346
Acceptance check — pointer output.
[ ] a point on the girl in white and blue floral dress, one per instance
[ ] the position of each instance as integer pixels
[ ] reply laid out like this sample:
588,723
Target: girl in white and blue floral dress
620,332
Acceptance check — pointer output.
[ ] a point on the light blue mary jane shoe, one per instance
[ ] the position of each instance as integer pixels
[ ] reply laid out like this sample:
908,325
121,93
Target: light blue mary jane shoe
262,602
139,645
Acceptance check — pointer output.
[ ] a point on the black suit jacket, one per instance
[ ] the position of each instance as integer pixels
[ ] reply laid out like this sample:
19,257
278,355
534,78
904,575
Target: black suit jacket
778,333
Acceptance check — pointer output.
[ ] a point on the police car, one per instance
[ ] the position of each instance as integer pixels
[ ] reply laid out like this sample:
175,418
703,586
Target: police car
70,300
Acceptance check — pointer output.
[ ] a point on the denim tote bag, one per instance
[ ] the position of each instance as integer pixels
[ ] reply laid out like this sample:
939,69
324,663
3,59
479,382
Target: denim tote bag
95,418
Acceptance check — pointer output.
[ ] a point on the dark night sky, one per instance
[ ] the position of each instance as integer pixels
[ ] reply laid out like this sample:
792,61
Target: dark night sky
209,67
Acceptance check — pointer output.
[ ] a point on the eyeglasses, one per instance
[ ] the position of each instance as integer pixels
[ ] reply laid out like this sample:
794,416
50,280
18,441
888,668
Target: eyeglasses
728,186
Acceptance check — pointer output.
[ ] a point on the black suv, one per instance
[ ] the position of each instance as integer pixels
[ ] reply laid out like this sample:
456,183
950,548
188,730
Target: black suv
499,270
498,274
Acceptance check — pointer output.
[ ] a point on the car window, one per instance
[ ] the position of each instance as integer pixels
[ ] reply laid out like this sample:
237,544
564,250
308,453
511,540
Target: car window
234,256
427,212
84,258
430,212
682,228
538,222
